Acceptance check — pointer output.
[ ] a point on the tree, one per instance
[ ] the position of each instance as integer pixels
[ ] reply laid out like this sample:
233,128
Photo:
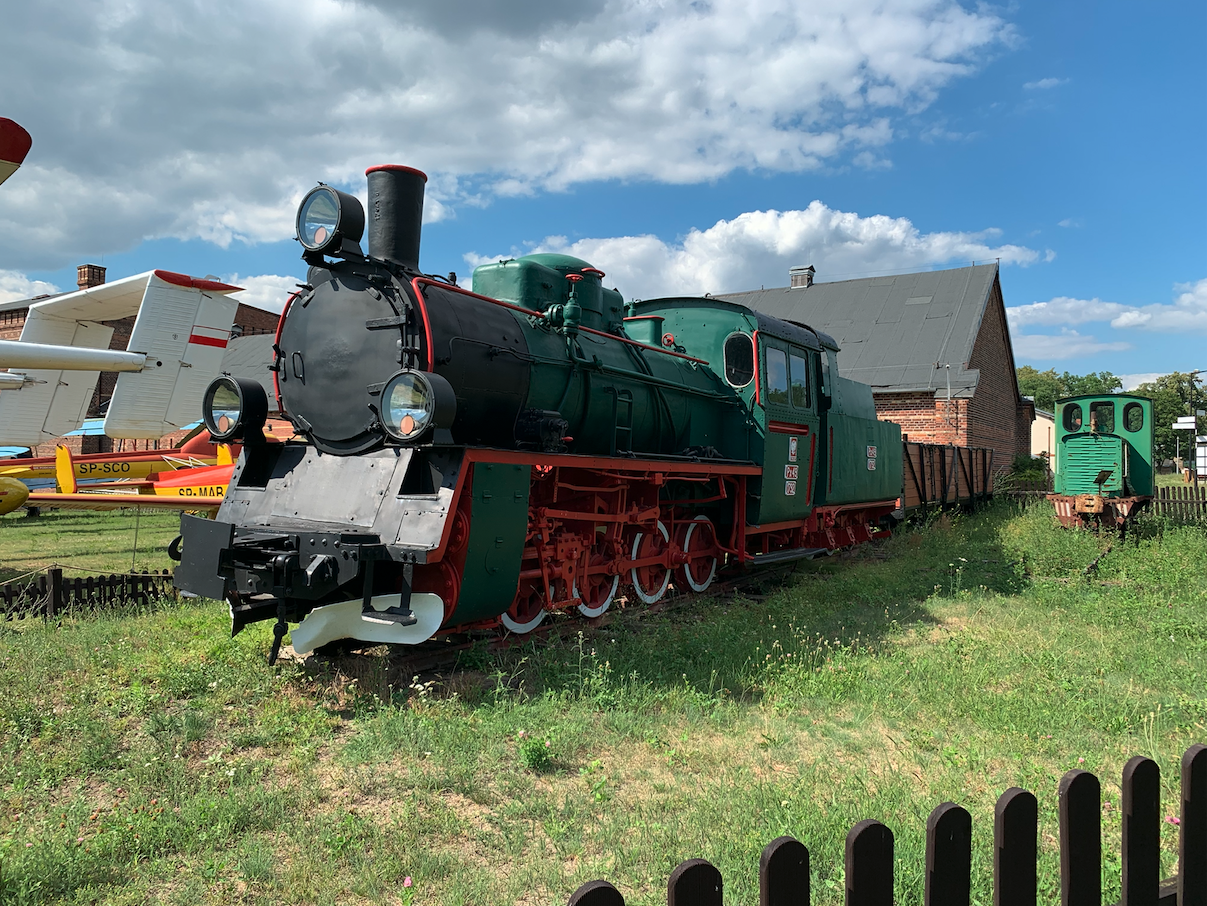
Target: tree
1080,384
1170,394
1046,387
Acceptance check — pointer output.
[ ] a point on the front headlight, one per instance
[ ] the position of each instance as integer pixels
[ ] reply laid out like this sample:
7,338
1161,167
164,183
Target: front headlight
414,401
326,217
232,408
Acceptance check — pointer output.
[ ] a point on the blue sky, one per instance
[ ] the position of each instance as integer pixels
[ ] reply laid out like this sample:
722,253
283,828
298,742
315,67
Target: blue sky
681,147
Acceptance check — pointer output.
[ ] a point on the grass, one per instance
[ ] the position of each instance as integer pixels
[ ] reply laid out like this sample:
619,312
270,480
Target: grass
150,757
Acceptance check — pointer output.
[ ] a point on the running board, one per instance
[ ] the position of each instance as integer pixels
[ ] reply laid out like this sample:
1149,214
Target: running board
798,553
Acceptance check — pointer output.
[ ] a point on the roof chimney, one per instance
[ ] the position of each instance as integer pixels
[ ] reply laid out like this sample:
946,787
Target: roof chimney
802,277
89,275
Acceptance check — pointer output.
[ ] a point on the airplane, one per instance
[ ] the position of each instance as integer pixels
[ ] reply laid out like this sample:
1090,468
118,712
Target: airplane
181,329
14,145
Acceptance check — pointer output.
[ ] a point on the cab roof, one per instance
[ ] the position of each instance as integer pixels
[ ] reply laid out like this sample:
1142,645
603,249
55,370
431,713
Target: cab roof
792,331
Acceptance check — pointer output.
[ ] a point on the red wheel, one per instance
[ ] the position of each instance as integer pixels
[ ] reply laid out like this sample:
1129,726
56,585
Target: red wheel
650,582
527,610
597,589
699,542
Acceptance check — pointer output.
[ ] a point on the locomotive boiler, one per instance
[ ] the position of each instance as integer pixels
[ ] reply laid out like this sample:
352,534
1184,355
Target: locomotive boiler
484,458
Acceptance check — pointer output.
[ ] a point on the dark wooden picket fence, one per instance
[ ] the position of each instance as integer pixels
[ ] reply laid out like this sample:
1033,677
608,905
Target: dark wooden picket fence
784,867
1183,503
53,594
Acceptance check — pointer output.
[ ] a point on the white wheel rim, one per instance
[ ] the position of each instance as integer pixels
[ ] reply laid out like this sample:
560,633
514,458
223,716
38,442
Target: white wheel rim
520,628
692,584
641,593
595,611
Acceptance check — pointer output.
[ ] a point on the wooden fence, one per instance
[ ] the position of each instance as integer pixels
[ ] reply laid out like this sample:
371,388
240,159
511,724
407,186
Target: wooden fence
784,878
937,476
53,594
1186,502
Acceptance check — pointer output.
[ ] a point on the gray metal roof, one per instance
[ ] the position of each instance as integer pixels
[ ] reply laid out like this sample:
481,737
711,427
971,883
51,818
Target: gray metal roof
249,357
896,333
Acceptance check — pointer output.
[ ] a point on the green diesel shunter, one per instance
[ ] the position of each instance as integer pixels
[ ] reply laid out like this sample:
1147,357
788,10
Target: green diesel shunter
1104,457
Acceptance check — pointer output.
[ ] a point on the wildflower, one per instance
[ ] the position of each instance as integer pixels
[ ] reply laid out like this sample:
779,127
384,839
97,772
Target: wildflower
406,882
28,845
546,743
1172,819
1080,760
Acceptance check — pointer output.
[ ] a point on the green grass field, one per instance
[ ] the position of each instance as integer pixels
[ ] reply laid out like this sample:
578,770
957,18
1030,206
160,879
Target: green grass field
148,757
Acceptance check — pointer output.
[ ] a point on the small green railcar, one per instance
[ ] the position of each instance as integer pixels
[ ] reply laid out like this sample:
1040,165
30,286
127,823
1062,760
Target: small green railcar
1104,458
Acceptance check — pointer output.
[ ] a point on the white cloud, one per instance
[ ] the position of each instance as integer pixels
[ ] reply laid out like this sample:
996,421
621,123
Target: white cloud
208,119
1069,344
757,248
267,291
1042,84
1132,381
1186,314
15,286
1062,311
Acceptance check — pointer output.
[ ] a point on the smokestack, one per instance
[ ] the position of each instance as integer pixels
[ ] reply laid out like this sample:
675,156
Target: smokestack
89,275
801,277
395,213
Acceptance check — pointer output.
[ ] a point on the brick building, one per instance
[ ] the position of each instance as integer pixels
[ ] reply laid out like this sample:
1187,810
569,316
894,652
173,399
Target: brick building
249,321
934,346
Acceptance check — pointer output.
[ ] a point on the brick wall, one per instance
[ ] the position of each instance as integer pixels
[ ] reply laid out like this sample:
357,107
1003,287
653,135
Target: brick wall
925,419
998,418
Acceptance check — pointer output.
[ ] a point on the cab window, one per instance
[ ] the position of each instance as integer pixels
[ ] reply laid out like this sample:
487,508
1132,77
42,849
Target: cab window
1102,417
1133,416
799,373
739,359
1072,417
777,376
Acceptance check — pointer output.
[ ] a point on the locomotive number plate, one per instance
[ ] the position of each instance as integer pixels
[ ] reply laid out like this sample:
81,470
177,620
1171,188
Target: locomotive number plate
790,472
791,449
871,465
789,488
871,452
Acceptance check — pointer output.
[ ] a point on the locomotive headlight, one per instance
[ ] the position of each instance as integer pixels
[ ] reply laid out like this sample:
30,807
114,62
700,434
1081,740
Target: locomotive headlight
234,409
327,217
414,401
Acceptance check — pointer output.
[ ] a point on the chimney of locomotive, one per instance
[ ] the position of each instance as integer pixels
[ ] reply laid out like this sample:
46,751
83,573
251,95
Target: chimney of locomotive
395,213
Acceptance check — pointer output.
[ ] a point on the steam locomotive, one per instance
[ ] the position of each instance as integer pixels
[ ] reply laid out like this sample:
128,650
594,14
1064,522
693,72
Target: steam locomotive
484,458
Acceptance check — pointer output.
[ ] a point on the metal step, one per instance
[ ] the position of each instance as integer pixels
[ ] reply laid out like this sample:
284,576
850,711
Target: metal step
797,553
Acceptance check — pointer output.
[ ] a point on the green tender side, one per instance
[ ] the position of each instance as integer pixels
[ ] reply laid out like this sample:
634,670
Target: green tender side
498,527
1099,433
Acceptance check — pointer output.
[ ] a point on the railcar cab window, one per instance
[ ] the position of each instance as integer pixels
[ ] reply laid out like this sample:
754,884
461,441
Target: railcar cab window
739,359
1133,416
1102,418
1072,417
799,372
777,376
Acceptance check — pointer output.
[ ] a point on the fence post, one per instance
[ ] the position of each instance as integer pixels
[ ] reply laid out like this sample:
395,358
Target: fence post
54,601
948,856
1141,832
596,893
784,873
1015,848
1192,833
695,882
869,865
1080,839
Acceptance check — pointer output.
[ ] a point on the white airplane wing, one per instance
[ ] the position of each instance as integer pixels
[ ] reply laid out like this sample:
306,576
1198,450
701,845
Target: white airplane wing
54,402
183,326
